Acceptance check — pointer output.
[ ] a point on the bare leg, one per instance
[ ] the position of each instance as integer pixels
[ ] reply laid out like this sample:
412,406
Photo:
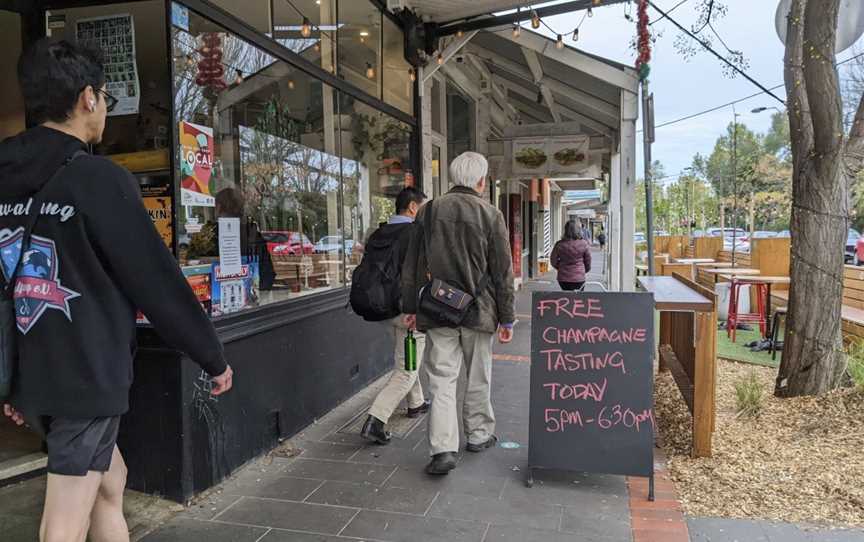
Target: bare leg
68,502
107,523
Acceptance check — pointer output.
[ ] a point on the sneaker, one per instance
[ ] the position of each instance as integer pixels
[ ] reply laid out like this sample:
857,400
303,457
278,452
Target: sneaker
373,431
477,448
442,463
422,409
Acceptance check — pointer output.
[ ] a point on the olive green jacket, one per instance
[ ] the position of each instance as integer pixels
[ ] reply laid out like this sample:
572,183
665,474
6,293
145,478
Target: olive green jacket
469,240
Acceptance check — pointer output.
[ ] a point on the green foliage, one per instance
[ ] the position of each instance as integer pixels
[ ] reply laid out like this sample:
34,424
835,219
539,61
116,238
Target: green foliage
856,363
749,395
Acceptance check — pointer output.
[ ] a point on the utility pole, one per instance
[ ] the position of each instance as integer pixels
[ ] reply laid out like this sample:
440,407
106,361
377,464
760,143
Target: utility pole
647,140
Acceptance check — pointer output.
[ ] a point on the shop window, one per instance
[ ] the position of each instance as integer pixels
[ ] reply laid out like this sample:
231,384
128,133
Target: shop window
376,158
359,49
132,39
398,74
460,123
436,106
258,173
316,41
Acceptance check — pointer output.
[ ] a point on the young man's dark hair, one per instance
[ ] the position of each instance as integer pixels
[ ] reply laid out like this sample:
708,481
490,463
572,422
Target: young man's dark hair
407,196
52,76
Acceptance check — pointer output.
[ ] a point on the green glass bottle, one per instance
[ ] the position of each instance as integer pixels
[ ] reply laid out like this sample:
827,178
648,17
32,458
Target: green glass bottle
410,352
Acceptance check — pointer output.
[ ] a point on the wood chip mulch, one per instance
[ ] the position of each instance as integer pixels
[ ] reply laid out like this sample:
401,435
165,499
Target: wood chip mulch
799,460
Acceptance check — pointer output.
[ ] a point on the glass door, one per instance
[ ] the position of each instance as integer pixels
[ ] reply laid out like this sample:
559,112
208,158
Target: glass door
18,446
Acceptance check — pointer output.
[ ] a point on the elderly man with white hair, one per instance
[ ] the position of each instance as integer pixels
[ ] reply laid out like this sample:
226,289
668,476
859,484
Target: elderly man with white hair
457,282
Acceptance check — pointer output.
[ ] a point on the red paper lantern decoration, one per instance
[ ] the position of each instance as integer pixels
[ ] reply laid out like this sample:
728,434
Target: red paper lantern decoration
210,69
644,42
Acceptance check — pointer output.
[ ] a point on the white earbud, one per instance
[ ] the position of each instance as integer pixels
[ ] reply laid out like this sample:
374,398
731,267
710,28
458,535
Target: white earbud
92,105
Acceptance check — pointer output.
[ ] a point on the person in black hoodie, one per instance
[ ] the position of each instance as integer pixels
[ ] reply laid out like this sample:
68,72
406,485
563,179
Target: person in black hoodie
94,258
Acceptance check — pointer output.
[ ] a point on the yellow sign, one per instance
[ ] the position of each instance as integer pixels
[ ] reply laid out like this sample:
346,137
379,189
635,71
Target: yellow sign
159,208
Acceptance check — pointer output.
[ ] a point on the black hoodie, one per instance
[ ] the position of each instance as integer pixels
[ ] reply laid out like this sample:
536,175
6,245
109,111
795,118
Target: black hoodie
95,257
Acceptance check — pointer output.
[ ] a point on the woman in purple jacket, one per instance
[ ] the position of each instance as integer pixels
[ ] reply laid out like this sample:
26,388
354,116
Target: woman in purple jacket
572,258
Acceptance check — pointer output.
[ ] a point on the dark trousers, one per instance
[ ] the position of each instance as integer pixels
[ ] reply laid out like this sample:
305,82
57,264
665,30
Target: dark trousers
570,286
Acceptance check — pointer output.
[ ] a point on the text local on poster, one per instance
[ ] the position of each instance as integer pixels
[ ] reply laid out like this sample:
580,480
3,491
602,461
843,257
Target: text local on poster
563,355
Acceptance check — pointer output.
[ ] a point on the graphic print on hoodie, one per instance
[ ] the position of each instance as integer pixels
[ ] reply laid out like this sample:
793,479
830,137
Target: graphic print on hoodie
37,286
95,259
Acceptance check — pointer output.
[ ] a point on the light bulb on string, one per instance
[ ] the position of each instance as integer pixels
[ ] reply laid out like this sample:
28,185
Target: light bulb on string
535,20
559,43
370,71
440,59
239,79
290,84
317,46
412,75
459,33
306,29
590,12
517,30
576,35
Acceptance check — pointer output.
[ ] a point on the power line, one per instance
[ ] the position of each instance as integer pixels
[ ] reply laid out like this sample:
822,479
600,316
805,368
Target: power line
715,53
713,109
676,6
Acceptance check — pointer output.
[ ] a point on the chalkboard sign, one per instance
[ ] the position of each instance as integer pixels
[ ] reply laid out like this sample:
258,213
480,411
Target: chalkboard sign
592,383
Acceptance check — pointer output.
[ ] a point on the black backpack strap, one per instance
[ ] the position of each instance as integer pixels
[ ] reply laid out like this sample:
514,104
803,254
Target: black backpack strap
33,218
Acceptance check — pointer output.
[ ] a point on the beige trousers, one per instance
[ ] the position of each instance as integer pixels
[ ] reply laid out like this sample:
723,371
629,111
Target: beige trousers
402,383
448,349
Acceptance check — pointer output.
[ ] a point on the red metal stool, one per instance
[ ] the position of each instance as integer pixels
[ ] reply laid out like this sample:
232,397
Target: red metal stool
757,317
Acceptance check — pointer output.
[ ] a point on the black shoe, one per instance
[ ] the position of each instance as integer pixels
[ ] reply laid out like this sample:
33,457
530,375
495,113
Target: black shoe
373,430
422,409
477,448
442,463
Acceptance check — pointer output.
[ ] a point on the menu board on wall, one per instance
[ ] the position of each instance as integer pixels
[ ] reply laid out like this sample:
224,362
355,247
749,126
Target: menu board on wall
543,157
591,404
196,164
115,36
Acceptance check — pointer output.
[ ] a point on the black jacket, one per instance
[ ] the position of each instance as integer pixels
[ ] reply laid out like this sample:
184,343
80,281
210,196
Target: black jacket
93,260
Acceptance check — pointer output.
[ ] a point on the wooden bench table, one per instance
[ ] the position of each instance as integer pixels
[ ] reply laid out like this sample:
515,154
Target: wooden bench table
688,348
695,261
730,272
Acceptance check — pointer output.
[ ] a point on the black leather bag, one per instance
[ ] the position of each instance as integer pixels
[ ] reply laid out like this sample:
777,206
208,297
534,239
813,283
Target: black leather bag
441,302
8,323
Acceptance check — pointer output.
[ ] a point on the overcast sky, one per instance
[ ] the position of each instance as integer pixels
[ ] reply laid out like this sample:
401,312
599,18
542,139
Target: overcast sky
682,87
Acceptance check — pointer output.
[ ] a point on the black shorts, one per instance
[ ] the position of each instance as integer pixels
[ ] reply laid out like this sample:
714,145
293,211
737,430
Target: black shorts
78,445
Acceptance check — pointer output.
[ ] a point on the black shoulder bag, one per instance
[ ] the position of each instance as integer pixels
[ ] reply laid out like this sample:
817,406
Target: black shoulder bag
443,303
8,324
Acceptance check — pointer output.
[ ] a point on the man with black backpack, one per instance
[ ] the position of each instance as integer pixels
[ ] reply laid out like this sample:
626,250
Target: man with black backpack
376,295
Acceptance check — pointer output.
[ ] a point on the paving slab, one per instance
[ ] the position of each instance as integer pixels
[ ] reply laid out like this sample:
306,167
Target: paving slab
746,530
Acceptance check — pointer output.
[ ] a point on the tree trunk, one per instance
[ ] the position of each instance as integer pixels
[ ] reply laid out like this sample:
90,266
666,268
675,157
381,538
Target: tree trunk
813,358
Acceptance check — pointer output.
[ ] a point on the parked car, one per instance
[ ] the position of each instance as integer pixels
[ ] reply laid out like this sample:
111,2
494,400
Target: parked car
639,237
763,235
784,233
661,233
851,253
741,245
726,232
333,244
287,243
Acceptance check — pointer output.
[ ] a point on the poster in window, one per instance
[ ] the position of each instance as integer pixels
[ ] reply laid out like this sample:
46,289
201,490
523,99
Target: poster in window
234,292
115,36
230,254
158,204
196,164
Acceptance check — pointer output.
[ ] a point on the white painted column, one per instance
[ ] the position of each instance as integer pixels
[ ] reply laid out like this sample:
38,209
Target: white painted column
627,190
613,236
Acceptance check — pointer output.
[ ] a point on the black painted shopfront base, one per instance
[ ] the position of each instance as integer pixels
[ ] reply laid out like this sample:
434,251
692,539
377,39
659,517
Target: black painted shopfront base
178,440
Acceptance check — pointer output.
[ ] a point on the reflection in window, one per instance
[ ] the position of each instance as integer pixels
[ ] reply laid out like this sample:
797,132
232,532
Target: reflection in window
398,74
257,151
359,47
374,167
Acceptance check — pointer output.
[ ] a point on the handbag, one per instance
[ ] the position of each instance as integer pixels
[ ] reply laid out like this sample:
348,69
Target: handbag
441,302
8,320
